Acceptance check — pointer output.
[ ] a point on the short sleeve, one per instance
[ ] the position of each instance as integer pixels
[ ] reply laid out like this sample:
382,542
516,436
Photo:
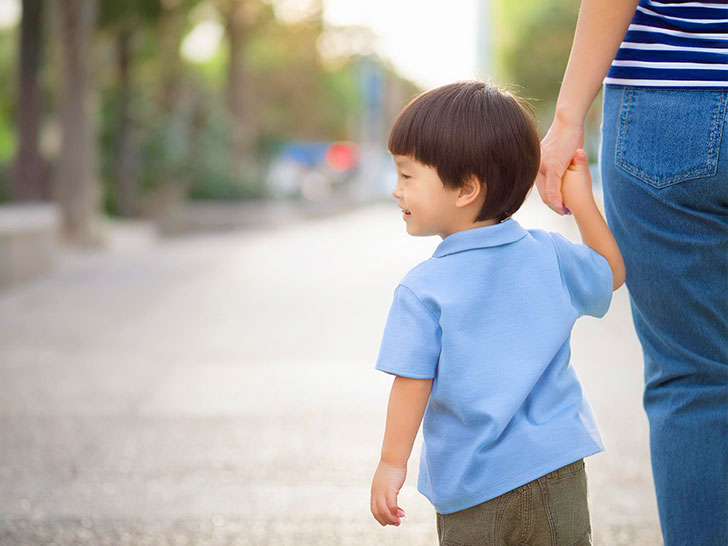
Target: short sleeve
412,336
587,276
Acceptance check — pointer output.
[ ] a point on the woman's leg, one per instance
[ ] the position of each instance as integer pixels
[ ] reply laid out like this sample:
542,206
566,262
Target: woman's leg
664,165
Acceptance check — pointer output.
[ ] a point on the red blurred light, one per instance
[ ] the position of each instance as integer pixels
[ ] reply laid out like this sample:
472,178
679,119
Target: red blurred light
342,156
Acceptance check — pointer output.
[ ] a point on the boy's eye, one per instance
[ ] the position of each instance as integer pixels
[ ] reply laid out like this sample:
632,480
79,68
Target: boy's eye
405,176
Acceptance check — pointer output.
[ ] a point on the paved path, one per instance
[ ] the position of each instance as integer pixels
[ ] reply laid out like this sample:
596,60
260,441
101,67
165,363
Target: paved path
220,389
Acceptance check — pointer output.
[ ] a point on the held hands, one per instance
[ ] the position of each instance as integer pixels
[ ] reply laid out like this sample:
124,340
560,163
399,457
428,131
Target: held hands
388,480
557,149
576,184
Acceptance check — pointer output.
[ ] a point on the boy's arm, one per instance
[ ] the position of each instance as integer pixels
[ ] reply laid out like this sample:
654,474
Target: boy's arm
579,199
407,402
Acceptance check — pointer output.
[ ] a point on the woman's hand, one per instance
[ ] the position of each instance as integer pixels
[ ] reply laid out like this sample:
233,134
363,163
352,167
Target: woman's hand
557,150
388,480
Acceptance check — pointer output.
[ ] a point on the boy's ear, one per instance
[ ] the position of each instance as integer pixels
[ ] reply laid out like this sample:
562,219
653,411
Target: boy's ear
470,192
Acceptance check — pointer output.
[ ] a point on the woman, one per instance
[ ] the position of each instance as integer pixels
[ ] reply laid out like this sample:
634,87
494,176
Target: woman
664,167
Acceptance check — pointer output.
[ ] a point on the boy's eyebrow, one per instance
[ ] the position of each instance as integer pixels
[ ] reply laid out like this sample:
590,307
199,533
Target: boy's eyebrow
400,161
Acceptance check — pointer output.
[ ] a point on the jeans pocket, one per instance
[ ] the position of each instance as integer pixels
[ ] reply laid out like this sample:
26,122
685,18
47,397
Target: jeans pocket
568,507
668,135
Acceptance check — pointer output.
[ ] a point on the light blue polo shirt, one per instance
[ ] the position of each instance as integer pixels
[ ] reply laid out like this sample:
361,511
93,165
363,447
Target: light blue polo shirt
489,317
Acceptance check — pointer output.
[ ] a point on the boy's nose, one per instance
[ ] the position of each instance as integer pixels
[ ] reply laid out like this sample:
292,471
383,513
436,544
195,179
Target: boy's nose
395,192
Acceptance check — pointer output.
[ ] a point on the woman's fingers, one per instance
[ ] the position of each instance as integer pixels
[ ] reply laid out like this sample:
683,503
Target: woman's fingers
553,192
548,183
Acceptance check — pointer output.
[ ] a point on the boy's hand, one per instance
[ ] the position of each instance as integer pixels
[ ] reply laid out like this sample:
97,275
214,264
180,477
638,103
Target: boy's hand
576,185
388,480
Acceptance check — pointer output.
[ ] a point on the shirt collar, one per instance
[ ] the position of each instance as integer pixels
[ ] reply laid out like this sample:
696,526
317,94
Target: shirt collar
504,233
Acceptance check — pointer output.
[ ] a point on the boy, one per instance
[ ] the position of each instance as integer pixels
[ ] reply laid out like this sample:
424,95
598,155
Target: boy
478,335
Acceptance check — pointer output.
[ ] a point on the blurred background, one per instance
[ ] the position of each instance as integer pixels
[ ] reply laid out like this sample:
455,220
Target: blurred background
198,248
144,109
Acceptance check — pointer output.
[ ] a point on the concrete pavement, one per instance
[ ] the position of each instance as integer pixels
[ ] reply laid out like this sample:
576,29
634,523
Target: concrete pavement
219,389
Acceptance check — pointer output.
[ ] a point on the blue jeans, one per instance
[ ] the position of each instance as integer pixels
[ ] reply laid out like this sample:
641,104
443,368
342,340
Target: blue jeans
664,167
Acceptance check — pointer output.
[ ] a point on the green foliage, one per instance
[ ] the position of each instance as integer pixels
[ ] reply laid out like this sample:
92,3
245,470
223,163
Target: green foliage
8,141
8,81
208,161
8,39
130,13
289,92
298,97
535,41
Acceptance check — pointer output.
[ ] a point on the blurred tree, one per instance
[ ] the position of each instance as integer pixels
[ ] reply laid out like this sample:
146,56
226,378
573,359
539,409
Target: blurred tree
297,94
123,20
171,25
533,43
77,184
9,42
239,16
29,178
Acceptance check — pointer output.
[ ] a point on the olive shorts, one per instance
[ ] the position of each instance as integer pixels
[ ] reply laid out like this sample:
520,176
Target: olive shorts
549,511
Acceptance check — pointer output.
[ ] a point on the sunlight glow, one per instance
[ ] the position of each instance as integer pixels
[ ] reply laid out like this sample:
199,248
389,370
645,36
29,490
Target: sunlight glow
9,13
202,43
431,43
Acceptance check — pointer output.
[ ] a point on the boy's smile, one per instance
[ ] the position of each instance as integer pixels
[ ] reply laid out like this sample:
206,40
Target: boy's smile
428,206
420,191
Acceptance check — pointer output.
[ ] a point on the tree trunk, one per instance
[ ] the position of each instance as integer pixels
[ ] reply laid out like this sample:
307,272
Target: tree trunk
126,184
77,185
167,199
29,176
171,31
243,136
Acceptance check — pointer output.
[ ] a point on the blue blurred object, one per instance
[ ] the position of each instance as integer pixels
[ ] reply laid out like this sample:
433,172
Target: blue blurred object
312,170
305,153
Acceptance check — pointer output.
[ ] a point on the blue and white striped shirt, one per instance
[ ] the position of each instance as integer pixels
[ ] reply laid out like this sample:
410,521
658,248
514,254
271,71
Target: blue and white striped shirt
674,43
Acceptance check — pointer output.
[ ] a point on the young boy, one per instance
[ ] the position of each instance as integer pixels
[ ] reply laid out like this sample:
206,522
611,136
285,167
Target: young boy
478,335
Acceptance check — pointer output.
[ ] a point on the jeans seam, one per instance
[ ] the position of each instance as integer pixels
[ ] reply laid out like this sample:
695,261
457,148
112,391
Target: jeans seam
623,118
500,509
547,508
525,500
717,133
716,128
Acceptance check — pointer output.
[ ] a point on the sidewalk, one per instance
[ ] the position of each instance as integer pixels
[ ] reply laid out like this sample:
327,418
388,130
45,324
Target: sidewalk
220,389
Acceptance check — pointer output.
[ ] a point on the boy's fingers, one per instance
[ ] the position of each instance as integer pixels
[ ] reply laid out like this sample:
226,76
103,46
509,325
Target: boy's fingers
385,514
374,507
378,516
580,156
377,512
392,507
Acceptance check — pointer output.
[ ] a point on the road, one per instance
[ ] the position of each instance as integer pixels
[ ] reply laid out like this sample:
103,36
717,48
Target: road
220,389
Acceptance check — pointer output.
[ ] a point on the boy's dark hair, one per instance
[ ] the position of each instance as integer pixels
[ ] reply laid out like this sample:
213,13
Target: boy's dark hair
473,128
